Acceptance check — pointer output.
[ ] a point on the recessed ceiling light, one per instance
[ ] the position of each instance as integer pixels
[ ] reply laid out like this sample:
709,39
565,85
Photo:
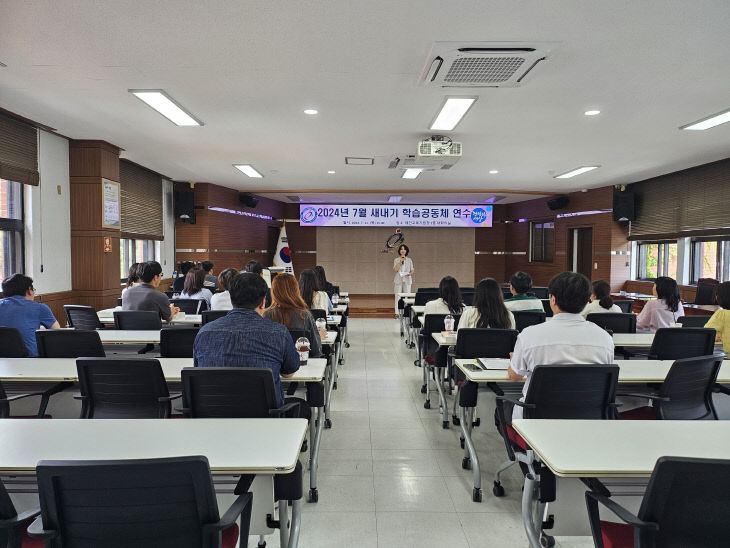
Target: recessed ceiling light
248,170
576,171
331,172
493,171
395,199
311,111
592,112
164,104
710,121
411,173
451,113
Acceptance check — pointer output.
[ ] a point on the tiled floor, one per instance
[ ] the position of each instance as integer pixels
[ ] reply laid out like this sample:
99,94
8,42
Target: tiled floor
390,476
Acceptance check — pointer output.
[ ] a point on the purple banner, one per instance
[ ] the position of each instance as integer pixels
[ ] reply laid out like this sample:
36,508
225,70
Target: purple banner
442,216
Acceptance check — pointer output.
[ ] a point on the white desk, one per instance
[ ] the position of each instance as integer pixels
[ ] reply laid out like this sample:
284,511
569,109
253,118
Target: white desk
107,316
418,309
610,449
339,309
334,320
403,295
129,336
444,341
344,294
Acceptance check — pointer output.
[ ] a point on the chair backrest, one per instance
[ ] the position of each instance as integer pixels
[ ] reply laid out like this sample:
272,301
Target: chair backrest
434,323
671,343
228,392
467,293
485,342
614,322
318,313
688,387
119,301
546,307
212,315
540,292
7,512
11,343
68,343
422,297
190,306
690,501
122,388
693,321
177,342
626,306
143,503
506,293
81,317
137,319
567,391
706,292
526,318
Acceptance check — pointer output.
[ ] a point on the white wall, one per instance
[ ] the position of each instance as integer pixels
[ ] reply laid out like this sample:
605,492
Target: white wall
167,246
48,218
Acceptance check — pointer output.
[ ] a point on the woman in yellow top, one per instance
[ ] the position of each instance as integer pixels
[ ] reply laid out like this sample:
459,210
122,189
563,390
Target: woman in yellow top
720,320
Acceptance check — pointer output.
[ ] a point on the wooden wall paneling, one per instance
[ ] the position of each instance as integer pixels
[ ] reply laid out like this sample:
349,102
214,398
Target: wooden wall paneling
55,302
490,247
86,203
88,158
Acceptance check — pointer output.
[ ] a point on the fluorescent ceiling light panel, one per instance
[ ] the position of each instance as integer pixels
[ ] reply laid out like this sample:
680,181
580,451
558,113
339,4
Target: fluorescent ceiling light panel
311,111
576,171
248,170
395,199
411,173
710,121
163,103
493,171
331,172
451,113
592,112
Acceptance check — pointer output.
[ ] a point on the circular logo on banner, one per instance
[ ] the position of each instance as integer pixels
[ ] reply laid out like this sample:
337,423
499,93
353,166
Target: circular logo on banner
478,215
395,240
308,215
285,255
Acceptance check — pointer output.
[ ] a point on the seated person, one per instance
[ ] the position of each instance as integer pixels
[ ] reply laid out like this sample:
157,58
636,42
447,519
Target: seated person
327,287
600,300
449,301
222,300
193,288
256,267
487,308
146,296
19,310
132,277
290,310
210,281
244,338
662,311
567,338
179,283
720,320
519,284
314,298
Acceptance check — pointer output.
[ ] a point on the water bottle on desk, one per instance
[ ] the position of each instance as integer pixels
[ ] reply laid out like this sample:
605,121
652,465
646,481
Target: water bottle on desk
335,299
449,323
302,346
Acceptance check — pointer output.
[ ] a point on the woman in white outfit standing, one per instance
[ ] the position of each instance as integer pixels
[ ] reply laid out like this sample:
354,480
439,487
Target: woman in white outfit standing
403,268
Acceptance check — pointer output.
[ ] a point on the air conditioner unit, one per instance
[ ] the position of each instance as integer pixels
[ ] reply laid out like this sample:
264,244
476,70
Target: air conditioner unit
482,64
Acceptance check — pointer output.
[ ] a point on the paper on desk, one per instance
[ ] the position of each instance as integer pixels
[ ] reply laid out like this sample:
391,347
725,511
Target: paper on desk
500,364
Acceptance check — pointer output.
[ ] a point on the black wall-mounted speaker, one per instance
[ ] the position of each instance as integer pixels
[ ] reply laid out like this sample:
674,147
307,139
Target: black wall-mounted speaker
248,199
624,209
558,203
184,205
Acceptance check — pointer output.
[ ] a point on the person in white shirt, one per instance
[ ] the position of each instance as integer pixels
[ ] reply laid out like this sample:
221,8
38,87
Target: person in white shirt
222,300
193,288
309,289
519,284
567,338
600,300
449,301
488,308
403,268
664,310
132,278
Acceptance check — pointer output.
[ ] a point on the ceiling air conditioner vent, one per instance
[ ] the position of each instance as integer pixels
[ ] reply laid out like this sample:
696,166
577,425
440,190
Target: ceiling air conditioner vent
481,64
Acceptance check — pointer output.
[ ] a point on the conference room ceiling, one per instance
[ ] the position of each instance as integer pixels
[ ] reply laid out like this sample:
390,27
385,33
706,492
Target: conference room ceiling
248,70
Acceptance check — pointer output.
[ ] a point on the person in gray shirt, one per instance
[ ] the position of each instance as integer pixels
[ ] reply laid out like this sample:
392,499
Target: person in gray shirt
146,296
211,281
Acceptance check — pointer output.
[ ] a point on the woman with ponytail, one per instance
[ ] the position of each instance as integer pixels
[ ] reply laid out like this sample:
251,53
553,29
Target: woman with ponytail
601,301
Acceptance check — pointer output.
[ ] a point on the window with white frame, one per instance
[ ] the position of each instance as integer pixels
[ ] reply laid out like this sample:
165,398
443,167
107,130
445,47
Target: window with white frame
136,251
710,259
657,259
11,228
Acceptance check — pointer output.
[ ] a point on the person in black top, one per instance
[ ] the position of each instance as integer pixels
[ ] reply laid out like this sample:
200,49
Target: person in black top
256,267
326,286
179,283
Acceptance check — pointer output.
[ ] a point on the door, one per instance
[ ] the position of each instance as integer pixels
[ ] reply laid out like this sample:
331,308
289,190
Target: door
582,251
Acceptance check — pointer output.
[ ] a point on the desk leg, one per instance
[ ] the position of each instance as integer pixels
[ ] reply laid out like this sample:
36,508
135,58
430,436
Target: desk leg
315,439
283,523
470,452
442,397
330,385
296,523
529,501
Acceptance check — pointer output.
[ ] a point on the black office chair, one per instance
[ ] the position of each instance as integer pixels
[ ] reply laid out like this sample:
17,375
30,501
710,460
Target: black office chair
706,292
212,315
693,321
123,389
614,322
318,313
147,503
5,401
526,318
540,292
11,343
119,301
685,394
558,391
467,294
434,323
423,296
13,525
546,307
675,344
686,503
137,320
626,306
190,306
68,343
506,293
177,342
82,317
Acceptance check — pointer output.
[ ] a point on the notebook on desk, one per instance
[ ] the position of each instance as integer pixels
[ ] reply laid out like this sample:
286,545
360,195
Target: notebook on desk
499,364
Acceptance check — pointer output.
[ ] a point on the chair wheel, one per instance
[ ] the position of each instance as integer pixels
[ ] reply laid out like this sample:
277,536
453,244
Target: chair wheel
476,496
261,544
313,495
498,490
347,345
445,425
477,422
334,385
547,541
327,423
427,404
342,361
423,389
417,363
401,334
456,420
466,463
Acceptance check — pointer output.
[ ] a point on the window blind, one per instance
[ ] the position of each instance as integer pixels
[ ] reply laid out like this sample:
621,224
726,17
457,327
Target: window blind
18,151
141,207
693,202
